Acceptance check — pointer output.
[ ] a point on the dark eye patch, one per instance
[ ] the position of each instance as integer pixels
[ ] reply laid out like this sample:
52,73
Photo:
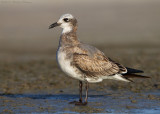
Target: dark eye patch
66,19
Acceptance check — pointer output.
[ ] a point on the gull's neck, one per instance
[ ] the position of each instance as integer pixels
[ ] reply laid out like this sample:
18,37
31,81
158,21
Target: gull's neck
67,29
69,36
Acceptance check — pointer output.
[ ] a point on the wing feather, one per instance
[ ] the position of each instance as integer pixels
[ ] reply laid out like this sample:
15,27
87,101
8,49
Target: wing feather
98,65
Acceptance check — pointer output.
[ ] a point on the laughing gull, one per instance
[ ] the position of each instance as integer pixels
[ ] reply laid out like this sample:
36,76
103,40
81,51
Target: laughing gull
84,62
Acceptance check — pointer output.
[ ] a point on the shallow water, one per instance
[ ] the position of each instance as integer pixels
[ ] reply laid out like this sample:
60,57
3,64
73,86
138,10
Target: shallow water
117,102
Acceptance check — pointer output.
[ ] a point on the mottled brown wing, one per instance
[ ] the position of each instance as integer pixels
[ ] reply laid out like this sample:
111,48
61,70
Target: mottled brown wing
98,65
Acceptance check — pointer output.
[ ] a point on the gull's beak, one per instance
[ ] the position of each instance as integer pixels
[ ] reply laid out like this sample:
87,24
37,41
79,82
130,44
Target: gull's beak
54,25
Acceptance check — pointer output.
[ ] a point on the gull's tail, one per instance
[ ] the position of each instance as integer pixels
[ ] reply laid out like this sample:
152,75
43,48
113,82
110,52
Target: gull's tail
131,74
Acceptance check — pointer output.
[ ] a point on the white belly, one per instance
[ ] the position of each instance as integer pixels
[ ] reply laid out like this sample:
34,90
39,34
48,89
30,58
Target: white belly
65,65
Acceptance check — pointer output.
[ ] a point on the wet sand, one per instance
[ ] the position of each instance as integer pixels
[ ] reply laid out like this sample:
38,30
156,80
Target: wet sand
32,82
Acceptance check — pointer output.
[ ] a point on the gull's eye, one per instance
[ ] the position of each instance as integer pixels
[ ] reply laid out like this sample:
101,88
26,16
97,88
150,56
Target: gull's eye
66,19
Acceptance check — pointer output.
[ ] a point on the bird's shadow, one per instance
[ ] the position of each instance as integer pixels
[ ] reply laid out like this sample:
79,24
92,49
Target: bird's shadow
48,96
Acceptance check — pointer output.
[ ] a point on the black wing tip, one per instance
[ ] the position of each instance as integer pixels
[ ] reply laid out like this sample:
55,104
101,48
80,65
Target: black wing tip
132,70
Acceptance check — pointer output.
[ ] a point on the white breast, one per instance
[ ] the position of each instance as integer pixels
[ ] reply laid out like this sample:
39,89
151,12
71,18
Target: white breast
65,65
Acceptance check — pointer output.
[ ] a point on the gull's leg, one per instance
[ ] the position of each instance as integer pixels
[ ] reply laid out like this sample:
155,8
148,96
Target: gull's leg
84,103
87,85
80,94
80,91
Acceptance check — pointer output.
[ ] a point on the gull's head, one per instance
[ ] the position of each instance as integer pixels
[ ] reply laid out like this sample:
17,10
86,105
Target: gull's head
66,21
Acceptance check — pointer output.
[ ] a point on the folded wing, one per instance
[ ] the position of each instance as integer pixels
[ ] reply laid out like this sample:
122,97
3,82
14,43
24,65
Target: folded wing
98,65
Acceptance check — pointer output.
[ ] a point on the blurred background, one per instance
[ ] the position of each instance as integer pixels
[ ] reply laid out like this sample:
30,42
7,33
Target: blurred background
128,31
24,23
